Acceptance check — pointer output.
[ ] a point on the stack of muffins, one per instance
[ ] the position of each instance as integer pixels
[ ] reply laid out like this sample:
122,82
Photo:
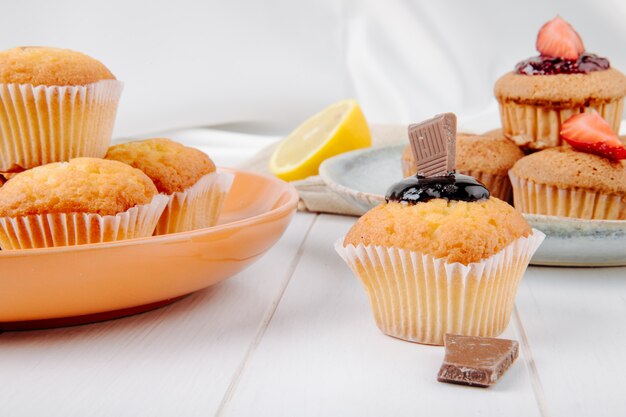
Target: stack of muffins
566,104
549,105
61,184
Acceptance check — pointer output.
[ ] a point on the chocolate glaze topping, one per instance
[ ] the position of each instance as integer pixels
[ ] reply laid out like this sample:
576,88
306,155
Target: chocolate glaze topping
451,187
545,65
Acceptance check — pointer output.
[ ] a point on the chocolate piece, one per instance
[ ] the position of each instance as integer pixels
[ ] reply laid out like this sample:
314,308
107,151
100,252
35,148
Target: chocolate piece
545,65
451,187
433,145
476,361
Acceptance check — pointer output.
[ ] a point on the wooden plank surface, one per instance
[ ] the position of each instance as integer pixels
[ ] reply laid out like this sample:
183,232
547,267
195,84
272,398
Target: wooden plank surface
575,321
294,335
176,361
322,355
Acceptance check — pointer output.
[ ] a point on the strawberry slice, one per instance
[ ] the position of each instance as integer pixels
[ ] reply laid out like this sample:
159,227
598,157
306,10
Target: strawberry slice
558,39
589,132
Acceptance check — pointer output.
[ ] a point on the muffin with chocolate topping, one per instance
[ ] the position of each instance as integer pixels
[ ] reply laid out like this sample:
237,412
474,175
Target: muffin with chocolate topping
564,80
487,158
440,256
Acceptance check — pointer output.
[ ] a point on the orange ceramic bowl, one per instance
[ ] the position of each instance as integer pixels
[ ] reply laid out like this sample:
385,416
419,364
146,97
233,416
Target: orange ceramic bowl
70,285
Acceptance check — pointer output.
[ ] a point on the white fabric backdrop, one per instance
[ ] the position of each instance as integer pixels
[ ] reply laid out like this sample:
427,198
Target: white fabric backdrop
409,59
189,63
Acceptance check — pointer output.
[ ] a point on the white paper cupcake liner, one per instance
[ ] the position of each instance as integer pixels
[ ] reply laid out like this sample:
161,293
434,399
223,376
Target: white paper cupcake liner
198,206
43,124
538,127
69,229
533,198
419,298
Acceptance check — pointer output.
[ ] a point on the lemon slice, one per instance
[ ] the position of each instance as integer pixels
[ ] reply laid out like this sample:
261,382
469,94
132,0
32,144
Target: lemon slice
336,129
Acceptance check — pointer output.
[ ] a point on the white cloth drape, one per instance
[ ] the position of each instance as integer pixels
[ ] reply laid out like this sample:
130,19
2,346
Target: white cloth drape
190,63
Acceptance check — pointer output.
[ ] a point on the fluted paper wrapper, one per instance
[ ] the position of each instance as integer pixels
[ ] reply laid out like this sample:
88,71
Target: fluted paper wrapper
43,124
533,198
537,127
419,298
498,185
198,206
69,229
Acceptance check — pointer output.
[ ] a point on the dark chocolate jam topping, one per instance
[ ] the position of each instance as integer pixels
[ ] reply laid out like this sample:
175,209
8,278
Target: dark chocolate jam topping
545,65
451,187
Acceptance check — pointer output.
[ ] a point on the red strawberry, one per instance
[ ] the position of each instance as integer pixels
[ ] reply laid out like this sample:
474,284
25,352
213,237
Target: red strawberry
558,39
589,132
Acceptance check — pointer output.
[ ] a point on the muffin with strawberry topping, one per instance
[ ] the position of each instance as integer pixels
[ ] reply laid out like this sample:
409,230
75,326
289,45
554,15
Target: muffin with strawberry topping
544,91
585,178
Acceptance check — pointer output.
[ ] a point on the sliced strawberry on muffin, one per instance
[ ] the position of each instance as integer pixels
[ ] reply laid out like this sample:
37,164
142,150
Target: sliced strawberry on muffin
563,80
586,180
589,132
558,39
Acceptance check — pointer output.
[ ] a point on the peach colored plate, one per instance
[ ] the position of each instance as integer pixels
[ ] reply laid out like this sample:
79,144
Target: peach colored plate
70,285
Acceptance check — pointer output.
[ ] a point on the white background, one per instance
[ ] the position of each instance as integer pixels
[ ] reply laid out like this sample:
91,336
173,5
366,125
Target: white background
190,63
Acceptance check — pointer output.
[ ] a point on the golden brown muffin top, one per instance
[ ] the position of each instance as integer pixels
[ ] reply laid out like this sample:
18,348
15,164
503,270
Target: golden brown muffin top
561,90
488,154
50,66
82,185
565,167
456,231
172,166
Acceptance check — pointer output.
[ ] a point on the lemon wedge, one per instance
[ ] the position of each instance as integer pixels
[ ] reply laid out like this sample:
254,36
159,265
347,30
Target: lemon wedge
338,128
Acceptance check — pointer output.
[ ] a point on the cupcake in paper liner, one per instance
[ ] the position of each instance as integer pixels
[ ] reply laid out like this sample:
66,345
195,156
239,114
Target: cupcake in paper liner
440,266
440,255
488,158
85,200
57,105
564,80
585,179
196,190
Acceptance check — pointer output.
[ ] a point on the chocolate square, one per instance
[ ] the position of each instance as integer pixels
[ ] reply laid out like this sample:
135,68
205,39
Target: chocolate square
433,145
476,361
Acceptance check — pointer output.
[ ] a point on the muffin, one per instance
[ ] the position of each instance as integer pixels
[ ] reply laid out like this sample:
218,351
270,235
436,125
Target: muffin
585,178
487,158
186,175
544,91
436,259
57,105
85,200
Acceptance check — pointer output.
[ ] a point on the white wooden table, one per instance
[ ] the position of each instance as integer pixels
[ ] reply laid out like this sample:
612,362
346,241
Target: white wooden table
293,335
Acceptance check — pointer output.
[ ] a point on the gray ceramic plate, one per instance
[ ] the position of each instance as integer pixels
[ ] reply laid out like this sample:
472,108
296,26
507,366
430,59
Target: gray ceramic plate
363,176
